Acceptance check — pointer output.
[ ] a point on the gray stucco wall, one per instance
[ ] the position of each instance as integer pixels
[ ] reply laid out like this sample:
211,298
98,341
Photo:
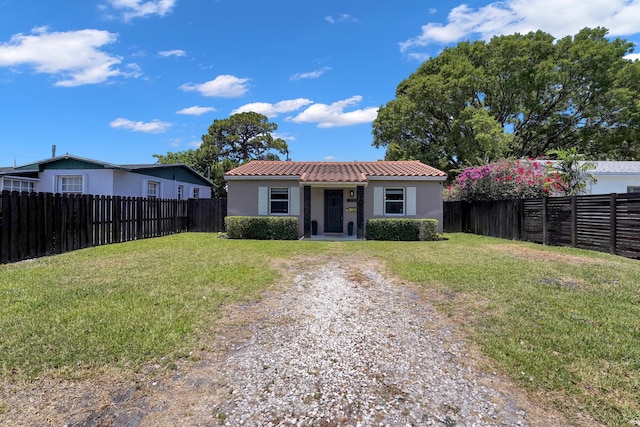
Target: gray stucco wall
428,198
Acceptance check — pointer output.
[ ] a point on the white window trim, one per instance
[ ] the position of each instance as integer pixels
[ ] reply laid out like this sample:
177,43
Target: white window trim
145,188
57,183
180,192
31,182
409,202
280,200
404,198
193,192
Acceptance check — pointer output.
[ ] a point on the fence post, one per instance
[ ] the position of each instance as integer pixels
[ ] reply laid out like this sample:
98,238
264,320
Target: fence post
545,225
574,222
613,198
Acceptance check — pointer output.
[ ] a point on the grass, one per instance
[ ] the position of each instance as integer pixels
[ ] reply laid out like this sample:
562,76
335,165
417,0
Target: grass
125,304
563,323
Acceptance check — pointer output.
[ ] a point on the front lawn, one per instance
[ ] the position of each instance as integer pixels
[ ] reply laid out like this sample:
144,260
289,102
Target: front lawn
126,304
564,323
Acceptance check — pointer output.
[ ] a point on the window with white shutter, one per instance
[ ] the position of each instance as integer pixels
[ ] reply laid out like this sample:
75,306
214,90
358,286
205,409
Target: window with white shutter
294,200
411,201
263,200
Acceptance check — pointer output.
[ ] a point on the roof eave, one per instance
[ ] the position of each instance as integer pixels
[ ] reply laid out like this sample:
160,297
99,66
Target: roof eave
259,177
407,178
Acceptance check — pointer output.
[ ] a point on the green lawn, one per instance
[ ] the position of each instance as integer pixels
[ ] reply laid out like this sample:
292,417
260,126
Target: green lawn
563,323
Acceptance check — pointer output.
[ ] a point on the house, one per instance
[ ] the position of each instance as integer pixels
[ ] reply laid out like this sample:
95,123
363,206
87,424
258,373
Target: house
335,197
615,177
72,174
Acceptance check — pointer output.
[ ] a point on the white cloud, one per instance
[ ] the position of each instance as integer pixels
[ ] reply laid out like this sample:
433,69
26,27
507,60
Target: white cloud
559,18
175,52
272,110
334,115
195,110
345,17
310,75
223,86
73,56
138,9
154,126
633,57
284,136
195,144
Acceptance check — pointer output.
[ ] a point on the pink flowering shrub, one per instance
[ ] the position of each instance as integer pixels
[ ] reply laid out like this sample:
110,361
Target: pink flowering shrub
504,179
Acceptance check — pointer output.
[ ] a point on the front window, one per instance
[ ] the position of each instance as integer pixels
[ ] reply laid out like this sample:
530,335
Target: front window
153,189
180,192
279,201
196,193
70,184
12,184
394,201
633,189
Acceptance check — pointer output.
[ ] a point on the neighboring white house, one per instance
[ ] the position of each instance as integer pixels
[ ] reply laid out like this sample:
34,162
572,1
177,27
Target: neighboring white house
71,174
615,177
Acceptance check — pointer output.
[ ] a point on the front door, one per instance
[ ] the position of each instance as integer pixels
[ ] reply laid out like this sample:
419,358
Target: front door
333,211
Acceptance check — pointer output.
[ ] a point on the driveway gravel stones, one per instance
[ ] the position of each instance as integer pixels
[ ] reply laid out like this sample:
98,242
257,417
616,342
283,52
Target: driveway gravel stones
337,343
344,346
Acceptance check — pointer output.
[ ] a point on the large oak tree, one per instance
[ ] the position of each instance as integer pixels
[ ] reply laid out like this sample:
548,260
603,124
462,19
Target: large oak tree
516,96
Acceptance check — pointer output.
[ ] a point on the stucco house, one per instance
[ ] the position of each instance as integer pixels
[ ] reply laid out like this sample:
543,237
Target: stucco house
72,174
615,177
335,197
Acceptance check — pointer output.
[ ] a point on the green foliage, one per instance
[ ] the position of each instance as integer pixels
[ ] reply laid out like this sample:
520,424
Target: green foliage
262,227
243,137
405,229
574,172
229,143
516,96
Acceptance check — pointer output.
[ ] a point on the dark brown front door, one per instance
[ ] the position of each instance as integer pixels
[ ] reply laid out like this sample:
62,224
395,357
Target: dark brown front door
333,211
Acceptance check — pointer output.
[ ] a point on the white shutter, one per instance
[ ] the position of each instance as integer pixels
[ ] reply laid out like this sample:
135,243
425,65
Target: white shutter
263,200
411,201
378,201
294,201
145,187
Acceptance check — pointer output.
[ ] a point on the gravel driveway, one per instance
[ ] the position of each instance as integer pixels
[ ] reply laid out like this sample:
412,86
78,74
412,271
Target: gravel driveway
338,344
342,346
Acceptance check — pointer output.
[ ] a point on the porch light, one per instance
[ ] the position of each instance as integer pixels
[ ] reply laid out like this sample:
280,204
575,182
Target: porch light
351,193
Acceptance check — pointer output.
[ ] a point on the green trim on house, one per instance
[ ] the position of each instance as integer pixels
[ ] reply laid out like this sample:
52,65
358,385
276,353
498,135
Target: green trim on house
174,172
66,162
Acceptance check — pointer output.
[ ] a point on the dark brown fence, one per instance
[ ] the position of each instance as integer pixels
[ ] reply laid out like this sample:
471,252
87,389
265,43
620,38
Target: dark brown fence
39,224
606,223
206,214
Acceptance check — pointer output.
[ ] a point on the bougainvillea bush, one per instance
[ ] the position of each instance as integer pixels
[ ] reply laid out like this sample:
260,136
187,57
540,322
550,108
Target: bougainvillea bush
504,179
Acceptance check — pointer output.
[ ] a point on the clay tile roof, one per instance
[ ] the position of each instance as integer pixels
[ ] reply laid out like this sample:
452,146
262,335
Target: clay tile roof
335,171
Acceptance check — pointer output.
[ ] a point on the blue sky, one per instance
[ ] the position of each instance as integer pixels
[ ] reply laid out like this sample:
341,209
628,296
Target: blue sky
120,80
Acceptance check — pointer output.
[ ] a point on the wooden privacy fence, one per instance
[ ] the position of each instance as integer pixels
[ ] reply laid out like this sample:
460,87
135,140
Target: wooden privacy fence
39,224
606,223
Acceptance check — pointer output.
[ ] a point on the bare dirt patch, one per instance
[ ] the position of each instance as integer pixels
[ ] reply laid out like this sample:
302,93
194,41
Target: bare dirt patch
337,342
542,255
